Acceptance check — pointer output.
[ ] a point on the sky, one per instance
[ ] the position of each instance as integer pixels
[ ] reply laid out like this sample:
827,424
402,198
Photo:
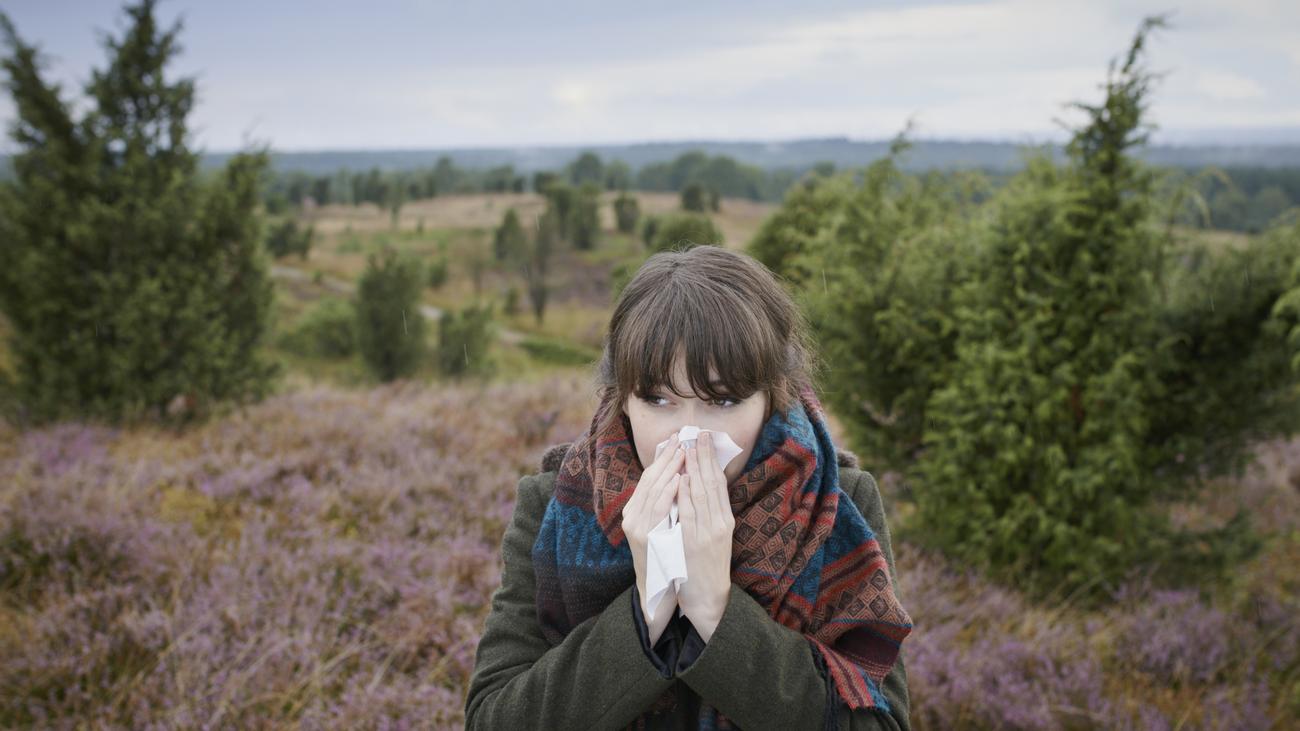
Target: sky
400,74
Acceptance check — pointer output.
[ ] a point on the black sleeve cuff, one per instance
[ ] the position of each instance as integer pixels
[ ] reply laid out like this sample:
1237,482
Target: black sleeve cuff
664,654
692,644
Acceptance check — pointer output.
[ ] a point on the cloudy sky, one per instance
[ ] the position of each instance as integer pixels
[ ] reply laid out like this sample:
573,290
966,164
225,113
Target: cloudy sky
342,74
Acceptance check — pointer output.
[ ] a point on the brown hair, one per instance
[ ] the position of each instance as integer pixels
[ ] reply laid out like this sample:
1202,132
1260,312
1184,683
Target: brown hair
725,310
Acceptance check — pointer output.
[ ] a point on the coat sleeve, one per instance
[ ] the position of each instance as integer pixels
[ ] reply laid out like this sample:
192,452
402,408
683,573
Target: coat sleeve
788,687
598,677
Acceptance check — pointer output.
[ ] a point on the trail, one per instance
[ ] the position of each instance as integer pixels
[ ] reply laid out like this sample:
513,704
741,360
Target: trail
346,288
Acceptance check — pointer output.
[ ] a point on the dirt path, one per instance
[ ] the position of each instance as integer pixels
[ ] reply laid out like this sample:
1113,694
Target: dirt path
346,288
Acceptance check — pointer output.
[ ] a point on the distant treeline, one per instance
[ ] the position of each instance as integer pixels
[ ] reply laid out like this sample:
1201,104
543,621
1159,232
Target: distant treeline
1236,198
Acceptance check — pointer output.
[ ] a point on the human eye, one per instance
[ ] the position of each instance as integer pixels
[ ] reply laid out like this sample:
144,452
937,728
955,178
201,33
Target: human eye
652,399
725,402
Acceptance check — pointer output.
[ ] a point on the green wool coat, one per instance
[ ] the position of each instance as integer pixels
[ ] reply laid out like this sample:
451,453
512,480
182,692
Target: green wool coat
758,672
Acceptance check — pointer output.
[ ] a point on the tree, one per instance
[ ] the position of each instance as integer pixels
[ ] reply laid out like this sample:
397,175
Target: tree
694,198
561,199
287,238
626,212
679,230
584,218
390,326
534,267
509,243
130,284
587,169
464,338
1041,368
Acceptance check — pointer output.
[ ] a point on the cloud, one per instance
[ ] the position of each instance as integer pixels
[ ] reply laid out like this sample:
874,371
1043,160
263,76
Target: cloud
1227,86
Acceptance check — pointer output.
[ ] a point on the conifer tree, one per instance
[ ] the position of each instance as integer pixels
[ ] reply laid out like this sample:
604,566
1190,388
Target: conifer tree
390,326
510,243
130,284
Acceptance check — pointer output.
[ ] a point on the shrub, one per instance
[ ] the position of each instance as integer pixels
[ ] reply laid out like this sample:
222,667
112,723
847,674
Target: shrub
390,327
463,341
626,213
327,330
679,230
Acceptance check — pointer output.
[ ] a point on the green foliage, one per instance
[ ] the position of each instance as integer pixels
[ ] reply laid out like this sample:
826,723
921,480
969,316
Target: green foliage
1044,368
463,341
586,170
510,304
626,213
130,284
558,352
327,330
287,238
1226,364
680,230
719,173
509,243
584,218
438,272
390,326
694,198
648,230
561,200
535,266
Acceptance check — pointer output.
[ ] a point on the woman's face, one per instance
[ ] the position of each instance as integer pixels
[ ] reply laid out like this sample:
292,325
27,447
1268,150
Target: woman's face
663,413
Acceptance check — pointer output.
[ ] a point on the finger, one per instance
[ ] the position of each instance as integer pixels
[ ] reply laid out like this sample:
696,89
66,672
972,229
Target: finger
664,502
685,507
699,490
721,500
654,478
660,463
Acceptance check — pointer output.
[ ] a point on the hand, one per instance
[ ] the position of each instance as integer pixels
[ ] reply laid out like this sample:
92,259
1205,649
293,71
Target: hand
704,511
648,506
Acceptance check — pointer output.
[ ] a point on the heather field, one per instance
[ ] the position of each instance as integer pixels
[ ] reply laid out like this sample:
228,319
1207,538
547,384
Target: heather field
325,559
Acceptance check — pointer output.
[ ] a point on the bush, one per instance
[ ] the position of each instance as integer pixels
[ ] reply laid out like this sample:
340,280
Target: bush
509,243
1039,368
390,326
584,224
130,281
287,238
510,304
626,213
438,269
680,230
463,341
327,330
694,198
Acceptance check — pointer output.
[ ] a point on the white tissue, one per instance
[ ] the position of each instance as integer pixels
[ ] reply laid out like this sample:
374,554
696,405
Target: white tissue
665,553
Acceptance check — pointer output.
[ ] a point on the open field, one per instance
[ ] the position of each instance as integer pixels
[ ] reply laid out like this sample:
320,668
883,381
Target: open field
325,559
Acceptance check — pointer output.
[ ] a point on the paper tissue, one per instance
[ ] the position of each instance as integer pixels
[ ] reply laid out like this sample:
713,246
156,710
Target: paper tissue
665,553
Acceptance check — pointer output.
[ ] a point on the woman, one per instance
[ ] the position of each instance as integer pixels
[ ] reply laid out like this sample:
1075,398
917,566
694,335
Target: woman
789,618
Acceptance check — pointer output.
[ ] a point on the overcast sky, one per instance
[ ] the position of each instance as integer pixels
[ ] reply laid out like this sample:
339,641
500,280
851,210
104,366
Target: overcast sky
342,74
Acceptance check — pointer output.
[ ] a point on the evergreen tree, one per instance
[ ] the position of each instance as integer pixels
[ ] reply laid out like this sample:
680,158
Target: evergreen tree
535,266
626,212
682,230
510,243
133,289
694,198
390,326
587,169
584,218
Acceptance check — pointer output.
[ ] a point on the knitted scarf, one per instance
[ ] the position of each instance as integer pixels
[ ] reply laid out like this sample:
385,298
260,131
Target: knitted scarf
800,547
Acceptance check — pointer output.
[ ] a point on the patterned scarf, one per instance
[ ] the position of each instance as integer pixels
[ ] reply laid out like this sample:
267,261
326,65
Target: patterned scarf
805,554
